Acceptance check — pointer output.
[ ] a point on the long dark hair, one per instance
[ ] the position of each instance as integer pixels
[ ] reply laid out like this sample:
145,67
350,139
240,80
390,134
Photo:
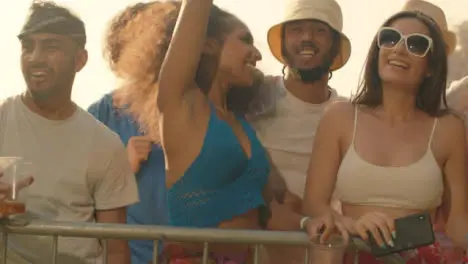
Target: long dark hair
136,44
431,93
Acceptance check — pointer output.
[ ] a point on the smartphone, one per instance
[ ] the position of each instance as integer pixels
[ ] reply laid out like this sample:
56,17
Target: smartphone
412,231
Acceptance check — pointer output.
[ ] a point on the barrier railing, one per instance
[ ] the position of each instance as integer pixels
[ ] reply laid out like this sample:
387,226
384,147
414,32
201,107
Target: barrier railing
155,233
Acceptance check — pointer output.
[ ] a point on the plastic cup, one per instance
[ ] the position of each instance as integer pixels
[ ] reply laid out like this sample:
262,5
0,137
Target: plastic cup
13,185
330,252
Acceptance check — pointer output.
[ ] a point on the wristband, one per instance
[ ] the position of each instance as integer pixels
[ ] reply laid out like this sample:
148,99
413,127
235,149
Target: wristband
303,222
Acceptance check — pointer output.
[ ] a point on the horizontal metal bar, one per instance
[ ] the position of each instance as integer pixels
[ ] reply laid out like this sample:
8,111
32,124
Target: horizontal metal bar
141,232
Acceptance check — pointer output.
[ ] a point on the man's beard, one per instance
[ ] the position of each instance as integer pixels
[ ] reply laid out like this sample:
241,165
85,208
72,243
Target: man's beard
42,95
310,75
65,76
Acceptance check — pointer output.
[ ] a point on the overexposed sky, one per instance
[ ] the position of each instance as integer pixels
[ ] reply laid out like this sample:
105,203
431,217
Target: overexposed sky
361,21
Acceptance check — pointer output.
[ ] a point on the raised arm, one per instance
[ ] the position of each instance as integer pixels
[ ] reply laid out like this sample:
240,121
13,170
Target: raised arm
324,161
180,64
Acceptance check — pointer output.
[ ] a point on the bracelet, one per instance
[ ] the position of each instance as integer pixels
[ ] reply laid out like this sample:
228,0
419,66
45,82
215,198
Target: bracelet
303,222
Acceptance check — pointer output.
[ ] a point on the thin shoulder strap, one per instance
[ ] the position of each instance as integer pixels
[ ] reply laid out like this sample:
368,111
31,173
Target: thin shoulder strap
212,108
432,132
355,122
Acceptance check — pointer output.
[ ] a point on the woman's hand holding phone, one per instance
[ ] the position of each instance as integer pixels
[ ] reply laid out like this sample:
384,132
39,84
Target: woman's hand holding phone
381,226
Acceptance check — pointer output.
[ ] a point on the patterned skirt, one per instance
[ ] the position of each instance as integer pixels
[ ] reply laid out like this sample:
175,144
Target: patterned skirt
176,254
431,254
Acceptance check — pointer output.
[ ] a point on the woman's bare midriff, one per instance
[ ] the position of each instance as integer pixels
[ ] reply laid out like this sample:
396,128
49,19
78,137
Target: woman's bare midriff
356,211
248,220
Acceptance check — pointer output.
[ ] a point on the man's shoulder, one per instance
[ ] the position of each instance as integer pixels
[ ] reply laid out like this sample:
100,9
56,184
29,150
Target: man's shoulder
101,134
103,145
272,83
338,97
8,105
458,85
9,101
457,94
265,100
273,79
115,185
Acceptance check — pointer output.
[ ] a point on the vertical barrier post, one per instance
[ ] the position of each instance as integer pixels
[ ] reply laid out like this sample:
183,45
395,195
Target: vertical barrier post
54,249
205,253
4,246
105,249
155,251
256,253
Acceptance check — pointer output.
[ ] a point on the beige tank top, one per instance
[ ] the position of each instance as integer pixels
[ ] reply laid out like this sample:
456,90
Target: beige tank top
418,186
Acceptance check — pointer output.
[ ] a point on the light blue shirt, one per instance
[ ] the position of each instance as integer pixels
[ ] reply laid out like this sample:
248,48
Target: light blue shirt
152,208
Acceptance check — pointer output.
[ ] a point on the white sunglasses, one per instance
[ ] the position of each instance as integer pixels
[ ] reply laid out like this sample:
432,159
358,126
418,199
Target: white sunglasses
416,44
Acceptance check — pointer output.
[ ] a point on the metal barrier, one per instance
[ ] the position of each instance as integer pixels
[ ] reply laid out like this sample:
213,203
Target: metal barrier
155,233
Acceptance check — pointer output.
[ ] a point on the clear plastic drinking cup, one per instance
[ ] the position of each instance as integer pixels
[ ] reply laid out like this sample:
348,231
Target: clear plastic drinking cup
330,252
14,181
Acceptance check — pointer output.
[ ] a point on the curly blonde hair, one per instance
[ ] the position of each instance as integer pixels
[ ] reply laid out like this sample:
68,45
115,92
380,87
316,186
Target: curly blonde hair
136,44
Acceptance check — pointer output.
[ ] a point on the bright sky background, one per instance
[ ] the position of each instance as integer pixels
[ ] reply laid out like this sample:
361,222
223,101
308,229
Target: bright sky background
361,21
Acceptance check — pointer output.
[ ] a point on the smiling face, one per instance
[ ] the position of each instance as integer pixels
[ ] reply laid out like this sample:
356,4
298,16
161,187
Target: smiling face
401,59
49,63
405,46
308,44
239,56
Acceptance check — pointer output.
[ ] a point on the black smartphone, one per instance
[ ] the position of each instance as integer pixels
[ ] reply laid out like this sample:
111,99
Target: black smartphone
412,231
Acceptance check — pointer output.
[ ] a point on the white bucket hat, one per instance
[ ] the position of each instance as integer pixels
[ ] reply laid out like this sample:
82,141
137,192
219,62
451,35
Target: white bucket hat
438,15
327,11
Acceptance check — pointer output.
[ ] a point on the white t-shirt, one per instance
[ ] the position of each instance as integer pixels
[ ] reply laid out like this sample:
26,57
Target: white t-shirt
286,126
457,95
457,99
79,166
